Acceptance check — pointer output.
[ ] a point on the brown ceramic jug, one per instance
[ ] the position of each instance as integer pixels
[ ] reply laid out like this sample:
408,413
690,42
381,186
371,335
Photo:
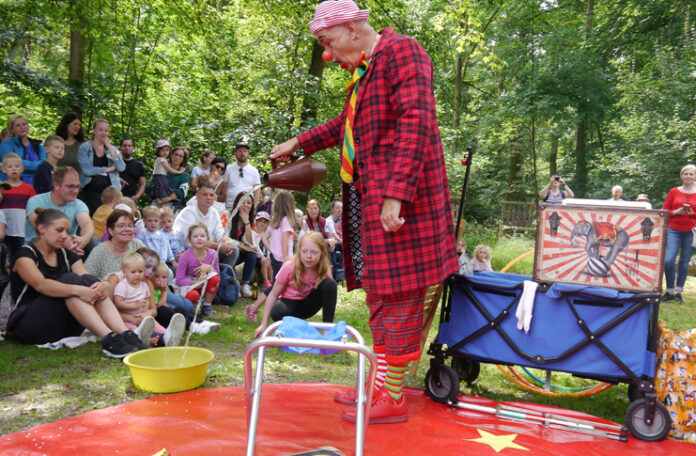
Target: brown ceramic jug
300,175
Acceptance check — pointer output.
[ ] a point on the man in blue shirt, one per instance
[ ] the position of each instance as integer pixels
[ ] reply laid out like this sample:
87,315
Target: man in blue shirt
63,197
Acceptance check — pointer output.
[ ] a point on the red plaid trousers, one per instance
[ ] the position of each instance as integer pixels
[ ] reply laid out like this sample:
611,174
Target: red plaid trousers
396,322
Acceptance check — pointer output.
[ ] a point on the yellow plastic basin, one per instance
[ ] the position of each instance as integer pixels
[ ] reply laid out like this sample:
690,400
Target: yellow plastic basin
169,369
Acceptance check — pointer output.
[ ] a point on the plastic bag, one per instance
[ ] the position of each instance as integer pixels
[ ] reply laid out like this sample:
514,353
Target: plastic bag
301,329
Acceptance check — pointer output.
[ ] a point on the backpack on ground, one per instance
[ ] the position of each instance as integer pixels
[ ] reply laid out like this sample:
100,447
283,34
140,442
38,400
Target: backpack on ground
228,290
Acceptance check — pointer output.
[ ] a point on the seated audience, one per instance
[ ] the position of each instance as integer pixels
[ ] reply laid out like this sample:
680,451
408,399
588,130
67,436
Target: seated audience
14,203
109,197
153,238
198,265
106,258
202,212
135,301
63,197
43,178
56,297
177,241
241,231
168,303
266,204
303,286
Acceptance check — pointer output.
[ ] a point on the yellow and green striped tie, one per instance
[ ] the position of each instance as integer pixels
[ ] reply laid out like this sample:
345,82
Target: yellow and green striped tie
348,152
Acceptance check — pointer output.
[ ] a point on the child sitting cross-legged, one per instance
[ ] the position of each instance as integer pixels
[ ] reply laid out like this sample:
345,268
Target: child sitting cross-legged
135,302
195,266
169,304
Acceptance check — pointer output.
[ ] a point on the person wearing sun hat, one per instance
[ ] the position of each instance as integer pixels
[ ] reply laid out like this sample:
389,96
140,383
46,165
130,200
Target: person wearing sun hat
398,231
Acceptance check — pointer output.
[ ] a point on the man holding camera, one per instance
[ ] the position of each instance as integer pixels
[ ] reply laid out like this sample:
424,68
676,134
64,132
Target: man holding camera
552,193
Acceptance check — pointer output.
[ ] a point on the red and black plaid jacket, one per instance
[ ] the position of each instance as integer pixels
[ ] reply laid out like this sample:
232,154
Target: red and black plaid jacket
398,155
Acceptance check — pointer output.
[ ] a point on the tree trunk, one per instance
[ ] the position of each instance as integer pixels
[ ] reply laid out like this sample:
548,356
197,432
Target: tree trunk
553,156
458,78
515,191
580,183
316,69
583,125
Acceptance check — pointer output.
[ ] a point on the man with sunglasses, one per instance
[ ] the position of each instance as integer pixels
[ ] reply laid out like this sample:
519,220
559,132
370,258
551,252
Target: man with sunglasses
63,197
241,176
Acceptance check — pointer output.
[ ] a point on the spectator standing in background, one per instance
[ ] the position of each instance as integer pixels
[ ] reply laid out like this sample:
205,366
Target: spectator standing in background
100,163
133,177
70,129
681,204
29,150
616,192
241,176
204,168
552,193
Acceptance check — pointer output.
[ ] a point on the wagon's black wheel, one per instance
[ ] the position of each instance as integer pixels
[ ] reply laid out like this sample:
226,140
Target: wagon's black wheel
634,392
442,383
651,432
468,370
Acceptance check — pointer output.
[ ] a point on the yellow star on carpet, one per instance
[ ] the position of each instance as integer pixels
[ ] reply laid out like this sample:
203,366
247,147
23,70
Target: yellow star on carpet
498,442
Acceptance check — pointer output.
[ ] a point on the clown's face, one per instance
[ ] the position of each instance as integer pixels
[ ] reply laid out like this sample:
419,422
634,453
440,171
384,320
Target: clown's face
342,41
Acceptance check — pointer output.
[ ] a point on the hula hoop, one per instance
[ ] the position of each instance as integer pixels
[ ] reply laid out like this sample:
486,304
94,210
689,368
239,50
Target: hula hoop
540,387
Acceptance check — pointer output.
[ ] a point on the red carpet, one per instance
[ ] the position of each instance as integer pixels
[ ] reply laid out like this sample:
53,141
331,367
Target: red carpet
297,417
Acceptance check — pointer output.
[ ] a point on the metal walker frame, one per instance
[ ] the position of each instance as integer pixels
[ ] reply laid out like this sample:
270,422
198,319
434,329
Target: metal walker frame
253,389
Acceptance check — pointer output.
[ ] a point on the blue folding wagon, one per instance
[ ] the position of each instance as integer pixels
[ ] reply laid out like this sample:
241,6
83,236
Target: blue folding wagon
590,332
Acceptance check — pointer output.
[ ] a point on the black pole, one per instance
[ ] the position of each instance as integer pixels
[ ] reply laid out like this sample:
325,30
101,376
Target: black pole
470,155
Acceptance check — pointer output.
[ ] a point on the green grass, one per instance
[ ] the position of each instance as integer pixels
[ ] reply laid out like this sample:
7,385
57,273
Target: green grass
39,386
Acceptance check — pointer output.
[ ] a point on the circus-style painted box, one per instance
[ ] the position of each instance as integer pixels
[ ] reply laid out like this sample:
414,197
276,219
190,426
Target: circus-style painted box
613,247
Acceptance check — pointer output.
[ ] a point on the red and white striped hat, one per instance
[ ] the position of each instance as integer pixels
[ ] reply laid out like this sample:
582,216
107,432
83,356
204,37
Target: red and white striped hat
334,12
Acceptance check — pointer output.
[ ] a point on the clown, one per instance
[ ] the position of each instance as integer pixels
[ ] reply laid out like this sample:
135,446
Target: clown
398,231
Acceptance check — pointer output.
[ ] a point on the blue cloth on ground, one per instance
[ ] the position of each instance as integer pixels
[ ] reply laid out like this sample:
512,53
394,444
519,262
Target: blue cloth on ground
298,328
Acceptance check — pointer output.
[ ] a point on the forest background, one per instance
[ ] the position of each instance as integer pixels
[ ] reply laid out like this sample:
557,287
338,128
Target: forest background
601,91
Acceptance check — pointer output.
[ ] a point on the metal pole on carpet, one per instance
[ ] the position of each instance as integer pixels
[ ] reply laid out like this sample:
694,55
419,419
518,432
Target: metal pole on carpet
549,420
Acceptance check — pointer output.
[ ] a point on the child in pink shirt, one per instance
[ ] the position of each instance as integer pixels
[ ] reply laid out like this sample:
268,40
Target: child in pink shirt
279,238
195,266
303,285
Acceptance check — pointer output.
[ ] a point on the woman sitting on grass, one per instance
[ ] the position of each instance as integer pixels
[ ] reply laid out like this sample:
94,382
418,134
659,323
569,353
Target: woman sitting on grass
56,297
303,285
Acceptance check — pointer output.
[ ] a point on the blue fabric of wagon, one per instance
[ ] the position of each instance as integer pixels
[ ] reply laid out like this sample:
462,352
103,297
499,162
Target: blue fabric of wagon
554,329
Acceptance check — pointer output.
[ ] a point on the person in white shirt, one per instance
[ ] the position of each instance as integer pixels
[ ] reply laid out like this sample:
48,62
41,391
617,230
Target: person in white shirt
203,212
616,192
333,222
241,176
